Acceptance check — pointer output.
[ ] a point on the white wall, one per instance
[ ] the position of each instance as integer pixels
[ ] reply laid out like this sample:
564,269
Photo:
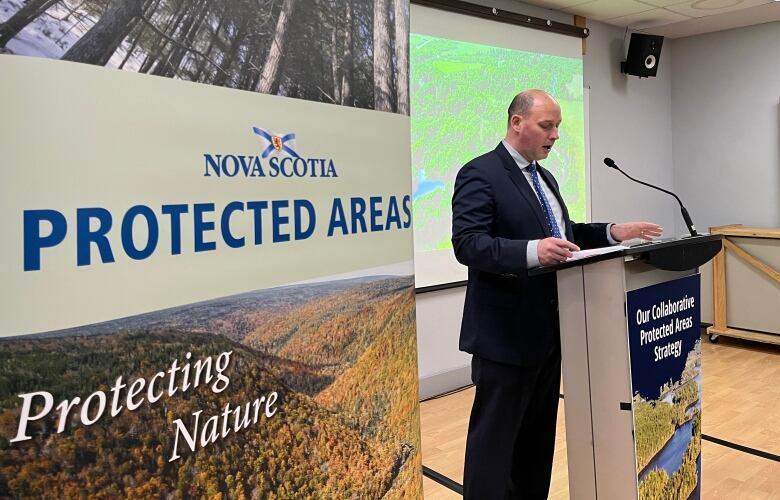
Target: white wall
630,122
725,115
442,367
725,121
643,147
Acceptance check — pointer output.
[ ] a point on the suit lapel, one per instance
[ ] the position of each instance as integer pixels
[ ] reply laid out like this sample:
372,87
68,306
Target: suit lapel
522,185
548,178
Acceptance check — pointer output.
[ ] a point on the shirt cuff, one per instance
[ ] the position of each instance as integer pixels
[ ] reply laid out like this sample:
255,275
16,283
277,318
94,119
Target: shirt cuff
531,254
612,241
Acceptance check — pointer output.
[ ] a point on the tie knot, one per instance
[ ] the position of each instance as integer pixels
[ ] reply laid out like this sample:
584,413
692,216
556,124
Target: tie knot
532,166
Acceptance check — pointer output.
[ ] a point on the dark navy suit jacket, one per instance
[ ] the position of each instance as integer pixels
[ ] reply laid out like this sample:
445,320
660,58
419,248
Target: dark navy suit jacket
508,316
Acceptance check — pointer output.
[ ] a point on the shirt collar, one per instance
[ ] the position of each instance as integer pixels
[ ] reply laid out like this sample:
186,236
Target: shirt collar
521,162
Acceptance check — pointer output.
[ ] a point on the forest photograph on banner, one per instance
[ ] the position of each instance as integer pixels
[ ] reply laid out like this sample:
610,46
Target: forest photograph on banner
291,393
346,52
208,278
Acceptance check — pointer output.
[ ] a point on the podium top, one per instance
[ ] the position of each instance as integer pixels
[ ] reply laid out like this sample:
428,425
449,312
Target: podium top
677,254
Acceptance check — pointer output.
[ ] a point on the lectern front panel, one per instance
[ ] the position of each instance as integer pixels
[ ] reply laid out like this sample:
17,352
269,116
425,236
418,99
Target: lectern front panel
576,385
600,444
610,380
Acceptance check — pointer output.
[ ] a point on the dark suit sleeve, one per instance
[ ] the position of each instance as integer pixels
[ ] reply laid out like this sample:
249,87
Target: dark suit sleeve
590,235
473,218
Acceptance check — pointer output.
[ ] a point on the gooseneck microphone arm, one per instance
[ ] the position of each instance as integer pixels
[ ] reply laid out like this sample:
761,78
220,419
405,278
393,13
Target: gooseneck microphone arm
688,222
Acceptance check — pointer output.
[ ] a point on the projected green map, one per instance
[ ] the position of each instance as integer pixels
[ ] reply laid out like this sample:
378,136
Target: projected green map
459,95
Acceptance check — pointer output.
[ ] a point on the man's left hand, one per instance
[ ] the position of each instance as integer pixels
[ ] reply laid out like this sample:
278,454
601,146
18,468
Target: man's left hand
631,230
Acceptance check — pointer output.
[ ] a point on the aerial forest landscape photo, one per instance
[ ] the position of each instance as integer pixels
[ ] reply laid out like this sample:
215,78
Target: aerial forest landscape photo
345,52
299,391
668,436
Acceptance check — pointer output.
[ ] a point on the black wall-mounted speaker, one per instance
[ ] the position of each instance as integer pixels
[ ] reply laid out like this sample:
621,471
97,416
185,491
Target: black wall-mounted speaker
644,52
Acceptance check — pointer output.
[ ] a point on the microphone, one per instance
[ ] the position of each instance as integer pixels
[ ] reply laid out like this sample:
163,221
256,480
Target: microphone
688,222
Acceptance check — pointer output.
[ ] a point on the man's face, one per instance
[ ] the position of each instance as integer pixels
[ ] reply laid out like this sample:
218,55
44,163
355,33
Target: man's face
537,132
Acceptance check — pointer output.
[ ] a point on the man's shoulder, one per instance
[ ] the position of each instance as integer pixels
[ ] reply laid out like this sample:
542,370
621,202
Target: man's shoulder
485,162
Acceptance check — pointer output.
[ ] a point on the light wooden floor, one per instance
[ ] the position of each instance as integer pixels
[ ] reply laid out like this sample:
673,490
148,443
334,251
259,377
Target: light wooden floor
741,404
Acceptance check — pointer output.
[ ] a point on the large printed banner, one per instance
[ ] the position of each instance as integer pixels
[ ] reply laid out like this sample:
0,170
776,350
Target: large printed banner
206,291
665,347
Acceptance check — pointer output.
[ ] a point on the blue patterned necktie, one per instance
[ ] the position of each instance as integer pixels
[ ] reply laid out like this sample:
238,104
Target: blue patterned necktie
548,213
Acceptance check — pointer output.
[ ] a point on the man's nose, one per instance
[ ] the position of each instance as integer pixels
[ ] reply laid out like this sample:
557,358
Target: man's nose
554,135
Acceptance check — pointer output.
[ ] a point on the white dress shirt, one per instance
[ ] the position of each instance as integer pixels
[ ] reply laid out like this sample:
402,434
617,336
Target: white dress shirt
532,254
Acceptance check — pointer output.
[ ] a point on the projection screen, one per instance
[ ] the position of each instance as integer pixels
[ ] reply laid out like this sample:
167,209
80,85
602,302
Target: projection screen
464,72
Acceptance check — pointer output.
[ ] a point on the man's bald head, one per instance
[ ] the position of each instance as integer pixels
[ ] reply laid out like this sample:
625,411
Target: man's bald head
524,101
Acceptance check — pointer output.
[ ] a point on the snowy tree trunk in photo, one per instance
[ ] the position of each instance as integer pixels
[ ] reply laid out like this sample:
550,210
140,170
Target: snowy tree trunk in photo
189,28
402,54
348,62
230,55
270,72
334,63
383,68
153,6
24,16
101,41
213,37
154,55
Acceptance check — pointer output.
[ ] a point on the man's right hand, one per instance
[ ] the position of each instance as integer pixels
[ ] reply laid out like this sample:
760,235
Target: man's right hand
554,251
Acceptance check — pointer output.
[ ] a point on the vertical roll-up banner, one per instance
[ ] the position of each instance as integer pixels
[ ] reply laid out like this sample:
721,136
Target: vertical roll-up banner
207,276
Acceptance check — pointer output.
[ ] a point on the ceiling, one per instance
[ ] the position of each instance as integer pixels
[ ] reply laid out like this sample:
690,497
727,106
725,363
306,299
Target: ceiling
670,18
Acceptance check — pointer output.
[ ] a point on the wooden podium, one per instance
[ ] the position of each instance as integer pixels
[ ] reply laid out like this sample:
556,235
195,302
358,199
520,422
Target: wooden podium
604,387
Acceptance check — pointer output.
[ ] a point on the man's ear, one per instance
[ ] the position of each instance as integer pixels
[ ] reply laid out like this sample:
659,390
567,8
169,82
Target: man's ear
516,122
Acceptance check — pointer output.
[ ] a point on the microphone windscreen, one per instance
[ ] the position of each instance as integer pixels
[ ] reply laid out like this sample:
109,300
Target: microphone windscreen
610,162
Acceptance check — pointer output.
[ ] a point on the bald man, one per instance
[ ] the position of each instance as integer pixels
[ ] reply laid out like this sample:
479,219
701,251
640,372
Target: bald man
507,217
